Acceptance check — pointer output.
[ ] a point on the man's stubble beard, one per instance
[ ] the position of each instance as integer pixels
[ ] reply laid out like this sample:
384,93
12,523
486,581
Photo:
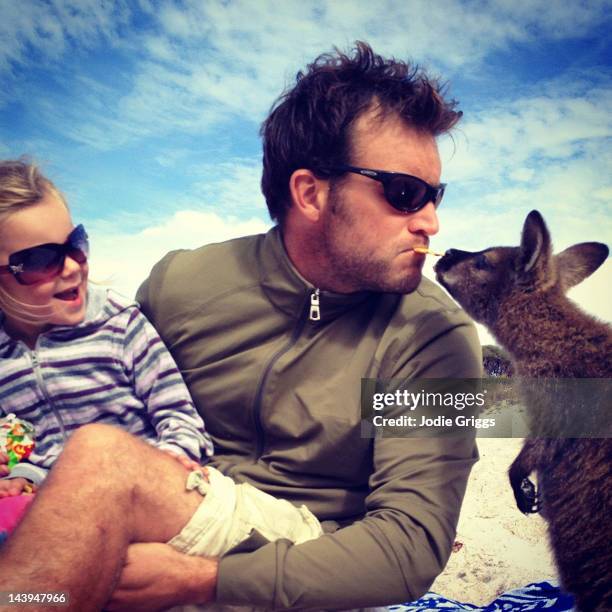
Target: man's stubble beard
353,269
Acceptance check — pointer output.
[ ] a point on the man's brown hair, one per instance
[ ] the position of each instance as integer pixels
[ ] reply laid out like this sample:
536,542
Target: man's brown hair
309,125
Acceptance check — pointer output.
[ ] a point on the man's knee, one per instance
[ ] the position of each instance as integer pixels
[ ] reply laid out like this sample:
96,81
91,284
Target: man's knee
98,442
98,433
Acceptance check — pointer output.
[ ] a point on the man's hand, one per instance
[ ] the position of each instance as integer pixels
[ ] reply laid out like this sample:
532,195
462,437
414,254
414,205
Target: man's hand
4,468
15,486
157,577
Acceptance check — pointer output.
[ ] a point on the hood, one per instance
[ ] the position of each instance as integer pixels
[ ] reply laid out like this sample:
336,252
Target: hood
102,304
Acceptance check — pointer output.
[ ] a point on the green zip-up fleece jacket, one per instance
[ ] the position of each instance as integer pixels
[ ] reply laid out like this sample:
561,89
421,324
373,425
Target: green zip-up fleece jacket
280,396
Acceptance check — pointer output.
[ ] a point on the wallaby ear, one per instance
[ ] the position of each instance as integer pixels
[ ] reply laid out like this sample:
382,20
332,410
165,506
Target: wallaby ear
535,250
580,261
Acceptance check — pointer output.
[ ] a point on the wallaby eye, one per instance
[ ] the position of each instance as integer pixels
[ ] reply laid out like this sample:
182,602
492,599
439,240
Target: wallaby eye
482,263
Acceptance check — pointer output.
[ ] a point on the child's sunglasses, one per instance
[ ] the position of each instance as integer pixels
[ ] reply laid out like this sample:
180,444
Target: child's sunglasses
404,192
40,263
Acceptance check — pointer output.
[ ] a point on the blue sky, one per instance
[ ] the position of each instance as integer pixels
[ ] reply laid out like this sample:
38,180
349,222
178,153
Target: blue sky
146,114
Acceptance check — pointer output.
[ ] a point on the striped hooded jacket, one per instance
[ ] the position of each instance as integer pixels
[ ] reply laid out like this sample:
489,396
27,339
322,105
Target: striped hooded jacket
112,368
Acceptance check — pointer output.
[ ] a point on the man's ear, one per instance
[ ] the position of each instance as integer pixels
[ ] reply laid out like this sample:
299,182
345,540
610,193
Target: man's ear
308,194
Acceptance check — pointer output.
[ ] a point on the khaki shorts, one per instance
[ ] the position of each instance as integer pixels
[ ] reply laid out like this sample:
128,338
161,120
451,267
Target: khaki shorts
229,512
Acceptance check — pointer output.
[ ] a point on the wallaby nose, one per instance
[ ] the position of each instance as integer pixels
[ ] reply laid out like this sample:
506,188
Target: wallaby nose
451,257
455,253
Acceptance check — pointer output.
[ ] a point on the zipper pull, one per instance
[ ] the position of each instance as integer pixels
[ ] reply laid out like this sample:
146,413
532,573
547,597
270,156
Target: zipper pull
315,309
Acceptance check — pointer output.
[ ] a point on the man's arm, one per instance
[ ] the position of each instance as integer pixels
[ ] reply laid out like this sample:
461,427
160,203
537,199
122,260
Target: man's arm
157,577
396,551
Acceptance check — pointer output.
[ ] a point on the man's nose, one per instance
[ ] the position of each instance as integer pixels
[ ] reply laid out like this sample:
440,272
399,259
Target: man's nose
424,221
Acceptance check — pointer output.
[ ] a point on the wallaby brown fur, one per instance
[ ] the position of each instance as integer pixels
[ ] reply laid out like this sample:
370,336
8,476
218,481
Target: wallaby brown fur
519,293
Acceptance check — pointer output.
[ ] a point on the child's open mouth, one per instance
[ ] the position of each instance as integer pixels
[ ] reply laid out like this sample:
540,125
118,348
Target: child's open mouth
69,295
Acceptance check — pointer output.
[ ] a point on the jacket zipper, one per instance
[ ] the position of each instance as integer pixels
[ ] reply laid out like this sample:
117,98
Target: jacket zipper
41,384
315,307
314,314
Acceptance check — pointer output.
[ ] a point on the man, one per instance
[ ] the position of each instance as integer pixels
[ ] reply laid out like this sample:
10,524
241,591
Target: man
273,335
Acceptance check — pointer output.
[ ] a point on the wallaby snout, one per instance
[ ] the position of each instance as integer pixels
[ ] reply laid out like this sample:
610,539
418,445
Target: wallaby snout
477,280
486,282
451,257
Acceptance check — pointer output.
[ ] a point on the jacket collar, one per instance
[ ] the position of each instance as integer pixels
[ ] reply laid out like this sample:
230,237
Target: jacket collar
289,291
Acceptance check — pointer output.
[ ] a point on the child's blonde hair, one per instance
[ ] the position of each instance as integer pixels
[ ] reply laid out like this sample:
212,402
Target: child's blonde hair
21,185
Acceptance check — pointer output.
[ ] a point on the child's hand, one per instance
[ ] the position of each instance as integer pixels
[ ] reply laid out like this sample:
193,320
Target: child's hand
15,486
4,468
187,463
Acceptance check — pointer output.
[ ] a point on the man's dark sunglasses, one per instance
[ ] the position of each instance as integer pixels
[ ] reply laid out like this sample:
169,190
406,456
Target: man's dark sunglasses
404,192
40,263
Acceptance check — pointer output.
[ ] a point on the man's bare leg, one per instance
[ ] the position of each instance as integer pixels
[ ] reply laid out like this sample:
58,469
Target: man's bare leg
107,490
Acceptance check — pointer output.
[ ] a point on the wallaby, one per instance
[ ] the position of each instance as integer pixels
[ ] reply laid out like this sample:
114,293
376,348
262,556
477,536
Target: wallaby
519,294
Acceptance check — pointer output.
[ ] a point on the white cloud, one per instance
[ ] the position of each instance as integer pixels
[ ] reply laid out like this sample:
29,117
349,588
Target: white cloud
236,54
508,136
125,259
232,187
558,20
49,29
195,64
170,158
18,31
522,174
550,153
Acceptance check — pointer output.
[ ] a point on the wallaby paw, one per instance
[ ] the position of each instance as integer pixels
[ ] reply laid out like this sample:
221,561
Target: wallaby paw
526,497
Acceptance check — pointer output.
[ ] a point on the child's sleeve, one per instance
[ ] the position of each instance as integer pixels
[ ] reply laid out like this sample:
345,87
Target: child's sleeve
29,471
159,384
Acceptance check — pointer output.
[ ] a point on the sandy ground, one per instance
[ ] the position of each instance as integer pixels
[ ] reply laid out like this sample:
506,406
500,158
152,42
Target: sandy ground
501,548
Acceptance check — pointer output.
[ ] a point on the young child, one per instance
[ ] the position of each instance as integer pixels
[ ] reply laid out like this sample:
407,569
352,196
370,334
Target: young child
73,354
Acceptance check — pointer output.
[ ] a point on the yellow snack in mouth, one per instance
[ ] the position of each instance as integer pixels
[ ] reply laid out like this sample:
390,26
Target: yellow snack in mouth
426,251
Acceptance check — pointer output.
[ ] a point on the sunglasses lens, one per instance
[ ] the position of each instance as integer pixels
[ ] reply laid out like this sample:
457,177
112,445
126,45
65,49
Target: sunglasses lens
440,195
39,264
78,244
406,193
43,262
78,255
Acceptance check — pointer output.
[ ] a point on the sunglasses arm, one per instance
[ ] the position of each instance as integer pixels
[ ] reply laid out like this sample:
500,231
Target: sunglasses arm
11,269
